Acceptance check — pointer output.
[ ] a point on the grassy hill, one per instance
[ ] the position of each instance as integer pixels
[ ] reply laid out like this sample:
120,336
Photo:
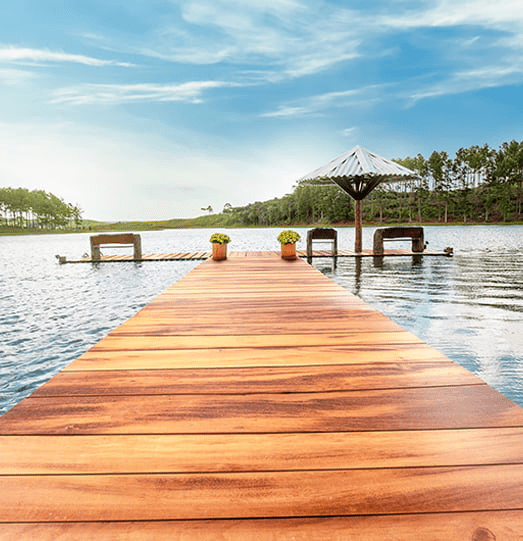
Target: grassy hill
212,220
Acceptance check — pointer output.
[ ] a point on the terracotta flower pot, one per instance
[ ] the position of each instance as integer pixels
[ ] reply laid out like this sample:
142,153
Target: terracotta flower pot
288,251
219,251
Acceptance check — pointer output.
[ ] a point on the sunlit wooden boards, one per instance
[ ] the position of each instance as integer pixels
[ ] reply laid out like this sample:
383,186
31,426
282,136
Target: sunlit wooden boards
256,399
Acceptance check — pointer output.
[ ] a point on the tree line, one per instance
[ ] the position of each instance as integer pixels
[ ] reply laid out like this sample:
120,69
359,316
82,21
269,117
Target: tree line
37,209
478,184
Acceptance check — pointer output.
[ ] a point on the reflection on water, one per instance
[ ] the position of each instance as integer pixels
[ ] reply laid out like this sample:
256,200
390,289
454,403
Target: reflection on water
468,306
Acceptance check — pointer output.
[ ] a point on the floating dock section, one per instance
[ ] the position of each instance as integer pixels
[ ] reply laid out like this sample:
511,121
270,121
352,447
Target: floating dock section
256,399
200,256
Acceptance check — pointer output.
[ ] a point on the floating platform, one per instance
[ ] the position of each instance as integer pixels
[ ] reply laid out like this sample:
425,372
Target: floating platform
200,256
256,399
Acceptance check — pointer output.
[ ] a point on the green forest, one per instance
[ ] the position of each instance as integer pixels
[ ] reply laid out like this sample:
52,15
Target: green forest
36,210
477,185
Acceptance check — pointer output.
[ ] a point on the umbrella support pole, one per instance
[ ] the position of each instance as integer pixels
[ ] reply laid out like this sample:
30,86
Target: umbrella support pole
357,241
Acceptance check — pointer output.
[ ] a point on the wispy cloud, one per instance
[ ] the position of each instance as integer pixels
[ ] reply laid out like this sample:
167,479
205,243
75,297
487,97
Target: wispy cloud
471,80
491,57
504,13
449,13
270,42
88,94
349,132
289,39
313,105
39,56
282,39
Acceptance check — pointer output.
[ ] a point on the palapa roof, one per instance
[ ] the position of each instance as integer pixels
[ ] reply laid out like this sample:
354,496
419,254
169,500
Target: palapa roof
358,171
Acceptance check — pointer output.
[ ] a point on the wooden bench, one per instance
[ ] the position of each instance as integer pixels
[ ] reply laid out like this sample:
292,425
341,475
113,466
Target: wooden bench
399,233
322,234
129,239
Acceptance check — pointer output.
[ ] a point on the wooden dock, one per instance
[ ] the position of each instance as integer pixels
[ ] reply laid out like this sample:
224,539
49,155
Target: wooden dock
200,256
255,399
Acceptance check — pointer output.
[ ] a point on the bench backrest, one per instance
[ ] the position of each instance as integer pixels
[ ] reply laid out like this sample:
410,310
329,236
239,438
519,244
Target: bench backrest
401,232
322,233
117,238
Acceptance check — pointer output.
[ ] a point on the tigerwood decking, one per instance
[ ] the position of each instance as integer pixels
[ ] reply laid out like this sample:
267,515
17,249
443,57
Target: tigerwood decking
256,399
197,256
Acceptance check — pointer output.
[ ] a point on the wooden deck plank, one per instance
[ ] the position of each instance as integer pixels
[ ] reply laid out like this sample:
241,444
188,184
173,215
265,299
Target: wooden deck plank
475,526
197,453
259,380
261,494
161,327
254,357
475,406
115,342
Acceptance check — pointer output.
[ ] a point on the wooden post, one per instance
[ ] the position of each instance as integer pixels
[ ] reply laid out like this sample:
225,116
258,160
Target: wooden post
95,249
357,241
377,247
137,247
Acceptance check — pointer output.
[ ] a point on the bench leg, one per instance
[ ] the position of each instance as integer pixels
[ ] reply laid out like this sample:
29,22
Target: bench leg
378,243
95,251
418,244
137,247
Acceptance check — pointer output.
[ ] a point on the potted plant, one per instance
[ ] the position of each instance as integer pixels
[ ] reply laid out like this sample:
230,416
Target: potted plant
288,240
219,246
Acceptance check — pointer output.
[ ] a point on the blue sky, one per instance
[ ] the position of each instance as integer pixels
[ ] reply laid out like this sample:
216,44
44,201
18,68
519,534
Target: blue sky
153,109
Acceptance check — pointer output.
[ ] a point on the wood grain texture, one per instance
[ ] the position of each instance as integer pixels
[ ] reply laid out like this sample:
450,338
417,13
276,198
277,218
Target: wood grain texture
475,406
259,380
476,526
256,399
260,494
116,342
258,452
255,357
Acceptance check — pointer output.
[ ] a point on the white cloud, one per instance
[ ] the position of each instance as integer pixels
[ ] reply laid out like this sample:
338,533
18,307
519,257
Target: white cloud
288,111
362,97
284,37
349,132
474,12
488,58
471,80
37,56
448,13
292,39
87,94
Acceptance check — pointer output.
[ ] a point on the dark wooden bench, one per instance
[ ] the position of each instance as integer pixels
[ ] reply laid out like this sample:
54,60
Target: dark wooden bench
129,239
322,234
399,233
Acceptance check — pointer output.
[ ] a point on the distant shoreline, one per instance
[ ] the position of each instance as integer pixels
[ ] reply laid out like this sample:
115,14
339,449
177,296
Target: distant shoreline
189,224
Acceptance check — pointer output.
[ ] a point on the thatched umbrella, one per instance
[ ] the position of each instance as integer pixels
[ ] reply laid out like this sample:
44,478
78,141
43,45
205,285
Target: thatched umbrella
358,172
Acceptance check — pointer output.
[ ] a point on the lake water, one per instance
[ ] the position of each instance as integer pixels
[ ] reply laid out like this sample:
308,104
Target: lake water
468,306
